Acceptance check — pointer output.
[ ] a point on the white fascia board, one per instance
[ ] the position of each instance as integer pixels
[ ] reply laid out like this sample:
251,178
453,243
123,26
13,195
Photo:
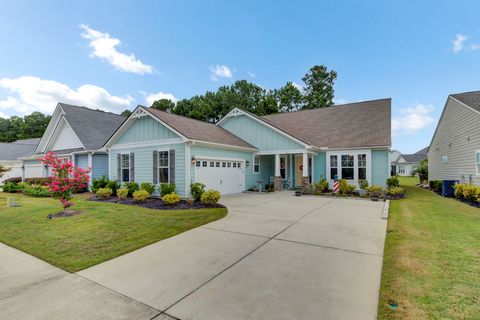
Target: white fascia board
285,151
55,134
356,148
56,117
220,145
235,112
150,143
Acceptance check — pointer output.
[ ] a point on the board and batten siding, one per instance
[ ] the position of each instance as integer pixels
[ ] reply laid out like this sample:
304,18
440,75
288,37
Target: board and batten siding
319,167
457,137
99,166
380,167
215,153
258,135
145,129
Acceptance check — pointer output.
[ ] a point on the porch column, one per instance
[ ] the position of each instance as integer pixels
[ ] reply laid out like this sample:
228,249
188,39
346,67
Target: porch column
278,177
305,178
90,167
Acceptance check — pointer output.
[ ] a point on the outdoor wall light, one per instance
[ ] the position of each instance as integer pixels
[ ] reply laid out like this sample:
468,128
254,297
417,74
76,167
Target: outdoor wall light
194,161
247,163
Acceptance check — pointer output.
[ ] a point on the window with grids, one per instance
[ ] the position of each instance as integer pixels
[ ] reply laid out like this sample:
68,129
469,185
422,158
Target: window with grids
347,166
477,162
333,166
362,166
125,167
163,166
256,164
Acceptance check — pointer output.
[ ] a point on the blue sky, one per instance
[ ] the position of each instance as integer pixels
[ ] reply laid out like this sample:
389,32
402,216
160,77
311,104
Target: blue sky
117,54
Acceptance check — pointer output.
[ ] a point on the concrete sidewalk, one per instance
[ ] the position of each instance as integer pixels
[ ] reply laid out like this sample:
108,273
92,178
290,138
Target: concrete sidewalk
274,256
33,289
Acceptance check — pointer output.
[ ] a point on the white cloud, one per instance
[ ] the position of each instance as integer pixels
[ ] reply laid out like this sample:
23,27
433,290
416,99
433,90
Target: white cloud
220,71
412,119
459,42
152,97
251,74
298,86
29,93
3,115
104,47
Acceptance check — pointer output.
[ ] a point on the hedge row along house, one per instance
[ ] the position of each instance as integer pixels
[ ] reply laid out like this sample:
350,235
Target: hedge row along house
241,151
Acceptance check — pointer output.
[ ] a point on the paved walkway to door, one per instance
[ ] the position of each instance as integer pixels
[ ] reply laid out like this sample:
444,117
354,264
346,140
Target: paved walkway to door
274,256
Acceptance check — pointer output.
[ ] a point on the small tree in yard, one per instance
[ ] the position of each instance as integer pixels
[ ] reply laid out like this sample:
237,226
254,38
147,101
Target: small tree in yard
422,171
65,179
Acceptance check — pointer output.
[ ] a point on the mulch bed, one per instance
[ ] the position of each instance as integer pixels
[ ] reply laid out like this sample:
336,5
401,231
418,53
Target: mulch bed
64,214
155,203
470,203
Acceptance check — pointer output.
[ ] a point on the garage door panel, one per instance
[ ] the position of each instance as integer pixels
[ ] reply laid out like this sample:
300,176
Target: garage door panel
222,175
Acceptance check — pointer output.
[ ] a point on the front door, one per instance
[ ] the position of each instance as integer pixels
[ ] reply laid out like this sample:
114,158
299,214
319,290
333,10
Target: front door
299,169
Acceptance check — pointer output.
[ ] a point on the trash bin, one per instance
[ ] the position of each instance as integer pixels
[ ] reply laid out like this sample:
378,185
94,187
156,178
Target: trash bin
447,188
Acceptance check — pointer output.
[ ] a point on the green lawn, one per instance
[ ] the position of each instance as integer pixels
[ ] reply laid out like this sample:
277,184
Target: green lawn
431,265
102,232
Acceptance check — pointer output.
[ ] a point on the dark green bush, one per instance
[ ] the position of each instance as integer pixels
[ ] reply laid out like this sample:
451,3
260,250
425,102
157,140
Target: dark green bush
11,187
166,188
147,186
99,183
40,181
392,182
131,187
114,186
321,186
37,191
196,190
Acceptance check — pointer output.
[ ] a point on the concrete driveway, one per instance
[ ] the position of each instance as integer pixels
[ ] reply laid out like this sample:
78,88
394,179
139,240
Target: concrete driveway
275,256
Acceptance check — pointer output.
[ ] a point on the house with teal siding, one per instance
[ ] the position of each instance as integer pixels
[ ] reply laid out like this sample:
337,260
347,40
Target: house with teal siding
243,151
77,134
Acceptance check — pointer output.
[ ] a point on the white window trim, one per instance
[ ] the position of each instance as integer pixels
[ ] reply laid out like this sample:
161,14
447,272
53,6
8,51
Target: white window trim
355,153
445,159
121,166
158,164
253,164
477,163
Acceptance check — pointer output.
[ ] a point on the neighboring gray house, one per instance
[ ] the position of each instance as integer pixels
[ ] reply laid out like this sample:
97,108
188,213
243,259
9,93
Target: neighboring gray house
9,154
405,164
454,152
76,133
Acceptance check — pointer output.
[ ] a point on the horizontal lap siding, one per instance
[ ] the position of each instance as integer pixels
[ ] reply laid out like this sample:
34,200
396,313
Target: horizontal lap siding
99,166
144,164
380,167
258,134
198,152
457,137
81,161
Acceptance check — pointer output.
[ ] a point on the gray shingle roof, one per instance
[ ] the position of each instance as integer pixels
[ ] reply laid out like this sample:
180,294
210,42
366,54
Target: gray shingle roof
416,157
361,124
93,127
423,151
199,130
17,149
471,99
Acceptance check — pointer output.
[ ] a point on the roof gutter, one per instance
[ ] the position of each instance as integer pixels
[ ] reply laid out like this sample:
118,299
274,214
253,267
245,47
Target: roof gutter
219,145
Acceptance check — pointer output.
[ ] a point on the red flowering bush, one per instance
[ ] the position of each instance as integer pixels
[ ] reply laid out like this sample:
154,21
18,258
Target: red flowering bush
65,179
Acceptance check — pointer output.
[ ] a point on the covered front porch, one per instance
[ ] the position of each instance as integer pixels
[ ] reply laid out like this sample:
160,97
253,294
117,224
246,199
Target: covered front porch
284,171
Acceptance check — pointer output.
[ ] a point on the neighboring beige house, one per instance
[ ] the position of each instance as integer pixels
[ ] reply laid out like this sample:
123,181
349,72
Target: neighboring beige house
9,154
454,152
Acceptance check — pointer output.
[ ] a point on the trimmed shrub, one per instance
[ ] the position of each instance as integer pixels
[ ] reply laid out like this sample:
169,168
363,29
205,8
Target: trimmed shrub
167,188
321,186
99,183
23,185
344,187
38,191
196,190
170,199
104,193
210,197
396,191
147,186
131,187
374,191
392,182
10,187
114,185
13,179
140,195
470,192
41,181
122,193
363,184
458,187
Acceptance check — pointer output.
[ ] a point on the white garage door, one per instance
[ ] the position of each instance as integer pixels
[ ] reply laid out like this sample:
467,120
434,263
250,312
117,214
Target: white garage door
34,171
226,176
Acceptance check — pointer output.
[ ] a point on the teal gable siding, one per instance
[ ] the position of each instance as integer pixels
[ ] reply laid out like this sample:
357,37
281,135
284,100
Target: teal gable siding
198,152
81,161
99,166
380,167
319,167
30,162
146,129
258,134
144,164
